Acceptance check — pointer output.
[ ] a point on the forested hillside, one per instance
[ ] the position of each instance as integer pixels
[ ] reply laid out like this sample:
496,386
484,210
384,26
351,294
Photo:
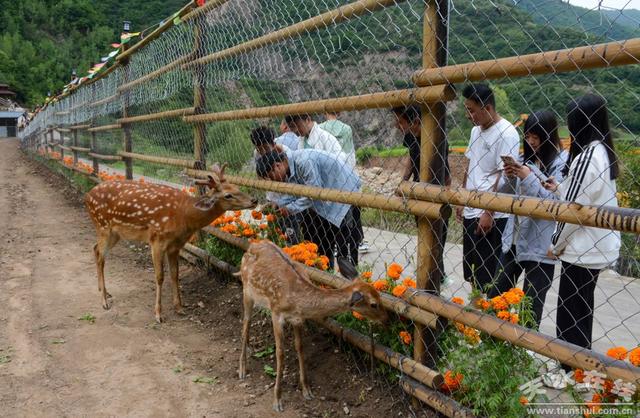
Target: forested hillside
42,40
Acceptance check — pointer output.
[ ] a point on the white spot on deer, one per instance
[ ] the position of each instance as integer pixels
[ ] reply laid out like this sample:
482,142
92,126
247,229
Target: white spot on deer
165,219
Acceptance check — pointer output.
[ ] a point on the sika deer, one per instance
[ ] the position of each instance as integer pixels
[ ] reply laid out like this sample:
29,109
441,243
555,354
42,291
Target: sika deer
160,215
273,281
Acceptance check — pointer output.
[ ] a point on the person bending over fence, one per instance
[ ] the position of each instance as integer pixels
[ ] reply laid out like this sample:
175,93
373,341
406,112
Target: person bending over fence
491,138
264,141
542,158
591,174
327,224
287,138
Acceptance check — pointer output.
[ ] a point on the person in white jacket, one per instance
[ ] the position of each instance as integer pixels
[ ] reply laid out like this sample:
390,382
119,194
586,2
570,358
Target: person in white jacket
590,175
312,136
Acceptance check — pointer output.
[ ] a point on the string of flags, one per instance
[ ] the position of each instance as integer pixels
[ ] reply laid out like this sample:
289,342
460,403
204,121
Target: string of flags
117,48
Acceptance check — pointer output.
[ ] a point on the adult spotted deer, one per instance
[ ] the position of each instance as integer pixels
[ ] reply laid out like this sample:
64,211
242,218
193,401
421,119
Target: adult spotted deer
160,215
272,280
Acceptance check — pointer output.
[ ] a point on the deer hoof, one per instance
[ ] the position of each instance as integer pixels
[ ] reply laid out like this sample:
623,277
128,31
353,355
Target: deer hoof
179,311
159,319
307,394
277,405
106,305
242,374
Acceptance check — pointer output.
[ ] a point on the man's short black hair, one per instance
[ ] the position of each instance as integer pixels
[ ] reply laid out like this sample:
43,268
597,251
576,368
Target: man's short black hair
262,135
294,118
479,93
409,113
264,163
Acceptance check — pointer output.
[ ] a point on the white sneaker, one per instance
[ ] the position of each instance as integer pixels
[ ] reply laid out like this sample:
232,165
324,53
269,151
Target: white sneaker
363,247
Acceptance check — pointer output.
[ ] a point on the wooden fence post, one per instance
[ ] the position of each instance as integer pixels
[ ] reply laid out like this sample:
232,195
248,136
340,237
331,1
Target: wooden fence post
94,140
431,137
126,128
199,101
74,141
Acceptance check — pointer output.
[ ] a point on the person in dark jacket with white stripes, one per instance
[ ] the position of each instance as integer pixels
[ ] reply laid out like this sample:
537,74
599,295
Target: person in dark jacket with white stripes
590,179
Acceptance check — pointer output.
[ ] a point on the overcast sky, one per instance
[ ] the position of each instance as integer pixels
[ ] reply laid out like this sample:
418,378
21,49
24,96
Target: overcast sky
615,4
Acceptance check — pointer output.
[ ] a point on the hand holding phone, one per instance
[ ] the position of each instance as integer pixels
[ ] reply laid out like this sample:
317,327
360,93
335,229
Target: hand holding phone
509,160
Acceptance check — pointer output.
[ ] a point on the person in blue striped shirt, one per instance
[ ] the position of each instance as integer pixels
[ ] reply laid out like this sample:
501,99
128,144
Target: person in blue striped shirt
328,224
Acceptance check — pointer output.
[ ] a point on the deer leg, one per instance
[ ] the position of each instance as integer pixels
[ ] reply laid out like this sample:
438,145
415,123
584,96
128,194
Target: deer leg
306,390
172,258
246,323
106,241
278,333
158,258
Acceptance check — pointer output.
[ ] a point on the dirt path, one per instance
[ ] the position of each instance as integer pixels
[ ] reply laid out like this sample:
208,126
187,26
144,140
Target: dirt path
53,364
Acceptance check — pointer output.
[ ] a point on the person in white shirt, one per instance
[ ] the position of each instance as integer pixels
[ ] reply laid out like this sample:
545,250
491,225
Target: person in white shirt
491,138
312,136
343,133
590,175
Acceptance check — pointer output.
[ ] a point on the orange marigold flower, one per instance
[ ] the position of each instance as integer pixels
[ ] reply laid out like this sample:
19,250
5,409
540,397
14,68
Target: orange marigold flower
608,385
405,337
457,300
399,290
256,214
310,262
380,285
634,356
517,291
394,270
483,304
271,217
409,282
618,353
512,298
248,233
524,400
504,315
594,405
499,303
311,247
452,382
471,335
366,275
514,318
237,213
459,326
262,227
578,376
357,316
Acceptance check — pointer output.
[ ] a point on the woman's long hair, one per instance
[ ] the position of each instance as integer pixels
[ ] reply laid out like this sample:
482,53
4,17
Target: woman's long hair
588,121
544,125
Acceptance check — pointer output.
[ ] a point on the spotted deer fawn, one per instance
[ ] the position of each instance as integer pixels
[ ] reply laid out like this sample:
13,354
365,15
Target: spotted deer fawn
272,280
160,215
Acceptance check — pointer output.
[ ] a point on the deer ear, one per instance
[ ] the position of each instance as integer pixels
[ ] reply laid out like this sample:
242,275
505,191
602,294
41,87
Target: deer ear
205,203
221,175
213,183
356,297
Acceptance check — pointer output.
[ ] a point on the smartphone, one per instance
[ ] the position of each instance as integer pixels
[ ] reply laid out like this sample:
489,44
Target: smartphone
509,160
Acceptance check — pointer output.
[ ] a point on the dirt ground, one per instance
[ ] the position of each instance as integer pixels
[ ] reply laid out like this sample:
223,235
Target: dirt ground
53,364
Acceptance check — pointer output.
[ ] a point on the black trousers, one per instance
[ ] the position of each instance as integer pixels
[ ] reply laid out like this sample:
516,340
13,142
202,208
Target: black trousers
481,252
537,280
574,321
328,237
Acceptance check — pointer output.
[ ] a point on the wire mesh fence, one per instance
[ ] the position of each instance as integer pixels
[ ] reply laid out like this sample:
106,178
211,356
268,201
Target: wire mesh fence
369,97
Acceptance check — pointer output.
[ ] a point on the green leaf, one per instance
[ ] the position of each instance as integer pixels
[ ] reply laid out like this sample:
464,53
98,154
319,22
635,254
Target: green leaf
205,380
5,358
267,351
88,317
58,341
268,370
